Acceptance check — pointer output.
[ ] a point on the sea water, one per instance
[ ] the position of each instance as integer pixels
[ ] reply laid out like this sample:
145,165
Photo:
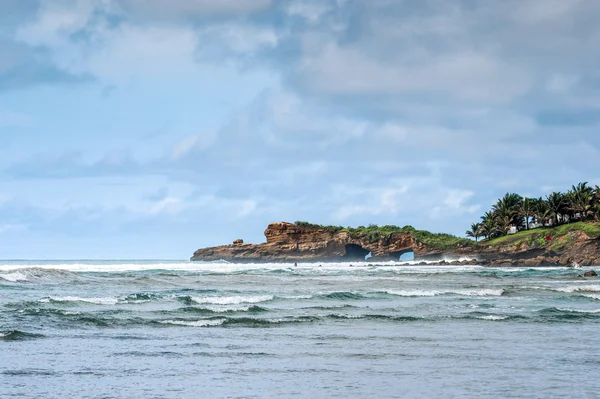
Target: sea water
163,329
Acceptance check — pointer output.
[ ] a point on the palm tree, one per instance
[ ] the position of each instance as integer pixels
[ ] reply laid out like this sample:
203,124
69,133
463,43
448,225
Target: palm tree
504,219
556,204
527,210
579,200
475,231
507,212
488,225
596,203
542,212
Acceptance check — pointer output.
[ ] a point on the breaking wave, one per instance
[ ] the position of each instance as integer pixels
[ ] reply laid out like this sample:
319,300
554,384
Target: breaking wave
65,299
13,277
579,288
225,300
462,292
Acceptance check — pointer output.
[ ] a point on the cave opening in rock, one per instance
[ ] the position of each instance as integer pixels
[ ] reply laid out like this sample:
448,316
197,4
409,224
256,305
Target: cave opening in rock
355,252
405,255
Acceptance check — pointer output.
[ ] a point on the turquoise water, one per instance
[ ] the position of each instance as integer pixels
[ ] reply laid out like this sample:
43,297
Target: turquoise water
163,329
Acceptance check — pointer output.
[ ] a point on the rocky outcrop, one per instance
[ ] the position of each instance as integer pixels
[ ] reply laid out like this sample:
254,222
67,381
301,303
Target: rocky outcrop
564,250
288,242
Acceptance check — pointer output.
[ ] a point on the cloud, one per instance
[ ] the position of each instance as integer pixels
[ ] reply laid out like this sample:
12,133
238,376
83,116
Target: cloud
23,67
184,147
463,75
189,9
168,204
354,112
71,164
246,208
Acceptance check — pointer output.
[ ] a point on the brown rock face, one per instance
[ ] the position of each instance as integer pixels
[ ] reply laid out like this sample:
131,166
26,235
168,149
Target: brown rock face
287,242
290,242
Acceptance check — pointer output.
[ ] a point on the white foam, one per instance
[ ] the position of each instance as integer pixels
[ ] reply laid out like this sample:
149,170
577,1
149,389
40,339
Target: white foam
225,309
421,293
492,317
13,277
413,293
97,301
224,267
195,323
591,311
592,296
232,300
579,288
295,296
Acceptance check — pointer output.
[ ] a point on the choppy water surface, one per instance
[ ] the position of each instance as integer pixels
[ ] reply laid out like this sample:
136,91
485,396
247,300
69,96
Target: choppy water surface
188,330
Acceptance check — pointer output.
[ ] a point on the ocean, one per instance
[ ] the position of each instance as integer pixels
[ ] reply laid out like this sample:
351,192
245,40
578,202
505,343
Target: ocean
166,329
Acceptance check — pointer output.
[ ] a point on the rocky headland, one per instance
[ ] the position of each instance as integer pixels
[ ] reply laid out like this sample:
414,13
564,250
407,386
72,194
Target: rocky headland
304,242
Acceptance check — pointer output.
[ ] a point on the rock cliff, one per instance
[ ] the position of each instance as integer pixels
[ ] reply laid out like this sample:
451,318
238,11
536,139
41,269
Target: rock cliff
537,249
288,242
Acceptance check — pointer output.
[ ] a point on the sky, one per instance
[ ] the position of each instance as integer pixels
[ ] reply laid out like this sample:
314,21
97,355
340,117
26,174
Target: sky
148,129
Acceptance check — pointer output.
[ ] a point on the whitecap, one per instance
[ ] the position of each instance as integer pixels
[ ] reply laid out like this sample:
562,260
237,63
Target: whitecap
412,293
195,323
591,296
570,310
295,296
13,277
225,309
421,293
579,288
492,317
232,300
480,292
97,301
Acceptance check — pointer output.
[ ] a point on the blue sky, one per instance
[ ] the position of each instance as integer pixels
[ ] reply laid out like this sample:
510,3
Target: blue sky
147,129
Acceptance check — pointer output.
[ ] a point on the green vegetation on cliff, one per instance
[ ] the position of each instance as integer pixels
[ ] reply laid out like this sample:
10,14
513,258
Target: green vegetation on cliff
373,233
560,236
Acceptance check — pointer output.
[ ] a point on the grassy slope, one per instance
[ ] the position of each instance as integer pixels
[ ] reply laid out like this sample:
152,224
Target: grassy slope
536,238
436,241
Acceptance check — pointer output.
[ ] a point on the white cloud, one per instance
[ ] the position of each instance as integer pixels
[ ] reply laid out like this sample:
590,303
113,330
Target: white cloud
168,204
238,39
55,22
561,83
388,203
183,147
156,51
455,199
12,228
309,10
463,75
246,208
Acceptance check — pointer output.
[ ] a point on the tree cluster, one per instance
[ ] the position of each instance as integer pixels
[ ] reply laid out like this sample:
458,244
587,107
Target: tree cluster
581,203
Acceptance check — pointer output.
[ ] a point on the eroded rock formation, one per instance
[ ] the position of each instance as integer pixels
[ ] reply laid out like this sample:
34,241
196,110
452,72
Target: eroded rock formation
288,242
